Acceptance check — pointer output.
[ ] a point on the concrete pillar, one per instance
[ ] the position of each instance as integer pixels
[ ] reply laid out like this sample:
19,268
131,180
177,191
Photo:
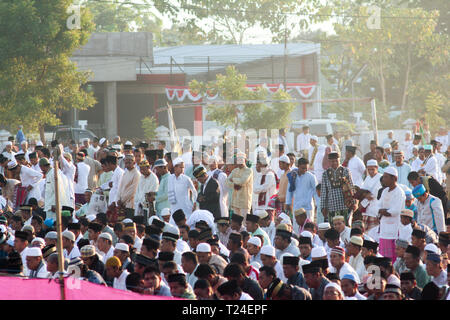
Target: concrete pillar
111,109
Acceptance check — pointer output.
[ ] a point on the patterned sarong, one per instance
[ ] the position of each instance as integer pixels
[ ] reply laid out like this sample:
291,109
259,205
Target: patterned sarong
387,248
20,195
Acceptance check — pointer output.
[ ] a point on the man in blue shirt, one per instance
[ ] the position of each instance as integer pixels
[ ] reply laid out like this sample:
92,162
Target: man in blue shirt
20,137
302,187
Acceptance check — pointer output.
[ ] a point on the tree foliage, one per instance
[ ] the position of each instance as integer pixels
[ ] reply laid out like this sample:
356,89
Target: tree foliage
149,125
37,78
232,87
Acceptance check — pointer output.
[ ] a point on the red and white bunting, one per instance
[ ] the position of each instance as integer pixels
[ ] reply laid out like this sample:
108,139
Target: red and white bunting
180,93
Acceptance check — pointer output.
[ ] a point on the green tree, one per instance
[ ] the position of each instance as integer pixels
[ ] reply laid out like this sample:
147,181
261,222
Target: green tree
232,87
434,105
37,78
149,125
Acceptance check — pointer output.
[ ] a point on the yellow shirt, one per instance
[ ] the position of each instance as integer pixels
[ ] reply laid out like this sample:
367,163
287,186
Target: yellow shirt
242,198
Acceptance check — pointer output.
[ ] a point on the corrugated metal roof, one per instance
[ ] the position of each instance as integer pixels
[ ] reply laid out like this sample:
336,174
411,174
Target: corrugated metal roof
193,59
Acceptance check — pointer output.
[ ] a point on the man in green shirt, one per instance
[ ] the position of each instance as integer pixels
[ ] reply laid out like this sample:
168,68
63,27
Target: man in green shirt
413,263
161,199
254,229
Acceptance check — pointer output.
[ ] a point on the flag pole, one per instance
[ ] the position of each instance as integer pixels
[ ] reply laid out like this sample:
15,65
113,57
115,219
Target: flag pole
59,246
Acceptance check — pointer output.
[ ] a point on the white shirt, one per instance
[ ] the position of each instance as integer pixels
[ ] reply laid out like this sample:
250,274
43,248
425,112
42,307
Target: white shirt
282,140
269,186
108,254
346,269
245,296
119,283
115,179
221,179
30,177
74,253
145,185
42,272
394,202
317,168
68,168
92,150
416,165
49,199
372,184
431,167
357,263
357,169
83,174
179,187
303,141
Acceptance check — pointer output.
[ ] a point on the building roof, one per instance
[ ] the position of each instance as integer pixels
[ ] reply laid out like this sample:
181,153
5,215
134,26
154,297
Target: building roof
193,59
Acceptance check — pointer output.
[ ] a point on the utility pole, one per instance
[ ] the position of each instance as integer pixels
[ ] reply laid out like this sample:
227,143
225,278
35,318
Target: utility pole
285,54
56,154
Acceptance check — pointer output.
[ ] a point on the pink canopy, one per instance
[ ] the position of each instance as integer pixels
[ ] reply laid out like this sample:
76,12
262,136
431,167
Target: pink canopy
13,288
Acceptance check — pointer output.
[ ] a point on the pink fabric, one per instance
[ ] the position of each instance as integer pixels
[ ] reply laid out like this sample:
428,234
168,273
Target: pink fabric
387,249
14,288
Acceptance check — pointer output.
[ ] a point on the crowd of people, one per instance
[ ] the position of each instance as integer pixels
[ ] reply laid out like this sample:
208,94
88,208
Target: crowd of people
308,222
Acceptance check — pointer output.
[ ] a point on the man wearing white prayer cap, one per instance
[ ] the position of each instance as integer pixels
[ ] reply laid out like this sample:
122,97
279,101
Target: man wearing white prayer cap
37,268
268,258
181,191
391,203
104,245
71,250
122,251
333,292
315,157
9,153
253,247
165,214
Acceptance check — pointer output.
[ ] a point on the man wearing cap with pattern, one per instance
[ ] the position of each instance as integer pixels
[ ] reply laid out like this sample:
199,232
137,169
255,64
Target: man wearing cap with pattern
339,266
334,179
409,224
241,182
180,189
391,203
114,270
429,209
148,182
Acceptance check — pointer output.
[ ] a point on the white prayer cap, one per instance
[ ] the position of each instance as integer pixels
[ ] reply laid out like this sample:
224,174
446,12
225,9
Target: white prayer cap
165,212
387,146
390,131
51,235
102,141
39,240
315,138
392,171
394,280
128,143
284,158
177,161
9,143
433,248
12,164
171,229
285,218
34,252
20,152
69,235
334,285
127,220
255,241
91,217
307,234
150,220
261,213
39,144
318,252
86,140
23,142
203,247
268,250
372,162
10,241
122,247
106,235
324,226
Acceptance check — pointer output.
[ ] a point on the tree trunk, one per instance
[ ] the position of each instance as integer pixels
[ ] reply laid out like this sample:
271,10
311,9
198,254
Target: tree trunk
382,83
405,87
42,134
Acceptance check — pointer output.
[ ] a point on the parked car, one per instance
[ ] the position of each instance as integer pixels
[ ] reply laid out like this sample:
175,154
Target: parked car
66,134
